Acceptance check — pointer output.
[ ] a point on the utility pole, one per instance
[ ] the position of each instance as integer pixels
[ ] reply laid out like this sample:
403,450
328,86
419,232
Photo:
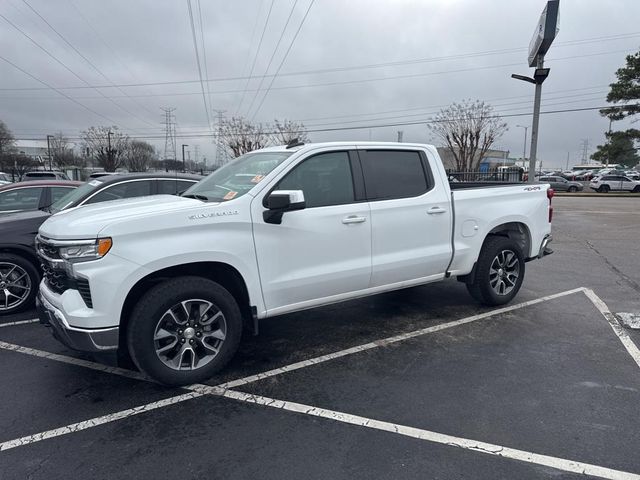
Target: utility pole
184,169
609,143
49,150
585,151
567,166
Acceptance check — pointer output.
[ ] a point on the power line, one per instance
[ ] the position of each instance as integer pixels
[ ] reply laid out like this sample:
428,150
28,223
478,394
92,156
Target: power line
84,57
382,125
204,55
339,69
266,70
195,46
61,63
286,54
255,58
56,90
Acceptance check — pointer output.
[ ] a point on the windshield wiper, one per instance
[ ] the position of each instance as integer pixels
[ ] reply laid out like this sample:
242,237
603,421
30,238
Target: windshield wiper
197,196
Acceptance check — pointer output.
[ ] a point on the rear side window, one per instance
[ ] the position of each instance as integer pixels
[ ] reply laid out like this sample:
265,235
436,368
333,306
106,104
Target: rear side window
123,190
390,174
58,192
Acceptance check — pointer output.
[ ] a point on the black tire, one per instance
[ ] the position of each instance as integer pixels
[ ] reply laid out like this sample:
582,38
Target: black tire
605,189
572,189
636,189
24,276
153,307
481,287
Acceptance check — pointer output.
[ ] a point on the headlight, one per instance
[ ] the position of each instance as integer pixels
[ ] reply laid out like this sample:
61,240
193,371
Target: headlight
84,251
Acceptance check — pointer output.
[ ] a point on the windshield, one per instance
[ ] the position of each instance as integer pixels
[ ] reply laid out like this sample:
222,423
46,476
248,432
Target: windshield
74,196
237,177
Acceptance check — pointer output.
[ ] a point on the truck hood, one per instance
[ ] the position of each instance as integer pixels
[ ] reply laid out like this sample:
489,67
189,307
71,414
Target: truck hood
87,221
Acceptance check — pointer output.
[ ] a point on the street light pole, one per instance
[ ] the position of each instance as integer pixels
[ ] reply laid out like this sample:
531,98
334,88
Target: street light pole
524,148
49,150
533,151
183,164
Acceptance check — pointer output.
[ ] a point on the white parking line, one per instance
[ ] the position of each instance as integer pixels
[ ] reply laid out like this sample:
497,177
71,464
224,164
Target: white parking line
440,438
394,339
631,347
72,361
94,422
220,389
20,322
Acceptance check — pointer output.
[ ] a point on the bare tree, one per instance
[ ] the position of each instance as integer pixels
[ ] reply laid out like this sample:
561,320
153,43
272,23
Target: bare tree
284,132
139,156
107,145
240,136
7,141
468,129
19,163
62,152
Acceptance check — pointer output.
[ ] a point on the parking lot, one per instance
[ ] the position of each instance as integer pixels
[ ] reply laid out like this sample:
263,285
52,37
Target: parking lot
420,383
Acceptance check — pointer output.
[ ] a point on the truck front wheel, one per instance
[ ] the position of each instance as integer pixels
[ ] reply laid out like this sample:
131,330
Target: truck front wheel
184,330
499,272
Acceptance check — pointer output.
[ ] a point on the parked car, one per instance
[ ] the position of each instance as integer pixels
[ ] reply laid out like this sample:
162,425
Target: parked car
277,230
44,175
18,258
20,196
615,183
561,184
5,178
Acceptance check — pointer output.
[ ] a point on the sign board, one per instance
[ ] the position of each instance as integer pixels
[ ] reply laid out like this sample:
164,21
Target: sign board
545,31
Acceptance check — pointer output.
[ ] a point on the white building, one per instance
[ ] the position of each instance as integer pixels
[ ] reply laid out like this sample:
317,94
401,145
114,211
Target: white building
36,149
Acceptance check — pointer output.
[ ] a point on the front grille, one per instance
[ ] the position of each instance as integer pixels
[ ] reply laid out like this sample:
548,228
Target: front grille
59,281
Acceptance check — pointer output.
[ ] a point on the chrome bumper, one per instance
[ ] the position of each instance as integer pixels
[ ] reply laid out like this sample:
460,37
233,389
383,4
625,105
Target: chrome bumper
98,340
544,247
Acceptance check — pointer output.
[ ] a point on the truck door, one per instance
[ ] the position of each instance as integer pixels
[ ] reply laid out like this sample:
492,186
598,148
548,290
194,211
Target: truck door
323,250
410,216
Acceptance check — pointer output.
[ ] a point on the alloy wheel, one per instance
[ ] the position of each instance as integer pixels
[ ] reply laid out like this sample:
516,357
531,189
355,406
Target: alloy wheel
15,286
190,334
504,272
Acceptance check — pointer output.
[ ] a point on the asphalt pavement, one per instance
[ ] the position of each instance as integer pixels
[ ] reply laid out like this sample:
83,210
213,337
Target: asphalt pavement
420,383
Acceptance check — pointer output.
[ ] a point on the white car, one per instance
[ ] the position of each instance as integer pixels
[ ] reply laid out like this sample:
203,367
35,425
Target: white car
614,183
5,178
174,280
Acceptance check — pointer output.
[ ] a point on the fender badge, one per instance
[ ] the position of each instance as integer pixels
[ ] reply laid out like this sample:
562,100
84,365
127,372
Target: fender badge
224,213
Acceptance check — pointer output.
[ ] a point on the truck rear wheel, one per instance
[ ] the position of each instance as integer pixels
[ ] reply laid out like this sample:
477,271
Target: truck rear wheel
499,272
184,330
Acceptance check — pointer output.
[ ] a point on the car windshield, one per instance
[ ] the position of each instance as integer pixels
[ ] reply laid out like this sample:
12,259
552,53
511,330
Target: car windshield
237,177
74,195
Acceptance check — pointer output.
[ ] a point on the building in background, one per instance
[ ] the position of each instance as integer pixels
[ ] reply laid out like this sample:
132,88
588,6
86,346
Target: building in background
491,160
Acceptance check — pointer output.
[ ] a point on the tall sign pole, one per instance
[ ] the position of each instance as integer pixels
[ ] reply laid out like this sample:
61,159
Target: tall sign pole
543,37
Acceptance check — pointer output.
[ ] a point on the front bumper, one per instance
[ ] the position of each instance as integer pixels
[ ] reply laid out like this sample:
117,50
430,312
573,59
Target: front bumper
85,340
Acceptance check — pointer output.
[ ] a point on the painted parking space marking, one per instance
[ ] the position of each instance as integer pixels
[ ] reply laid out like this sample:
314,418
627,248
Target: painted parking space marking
94,422
20,322
436,437
394,339
631,347
629,320
198,390
72,361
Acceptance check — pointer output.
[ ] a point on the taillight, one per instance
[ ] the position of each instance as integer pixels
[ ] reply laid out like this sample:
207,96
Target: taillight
550,193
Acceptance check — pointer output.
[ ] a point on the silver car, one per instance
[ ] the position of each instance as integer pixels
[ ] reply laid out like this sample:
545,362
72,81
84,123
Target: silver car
561,184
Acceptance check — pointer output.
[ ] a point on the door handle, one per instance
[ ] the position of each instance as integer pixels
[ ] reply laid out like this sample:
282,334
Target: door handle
435,210
353,219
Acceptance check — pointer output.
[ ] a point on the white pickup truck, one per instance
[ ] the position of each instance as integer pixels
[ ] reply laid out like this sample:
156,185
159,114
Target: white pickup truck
174,280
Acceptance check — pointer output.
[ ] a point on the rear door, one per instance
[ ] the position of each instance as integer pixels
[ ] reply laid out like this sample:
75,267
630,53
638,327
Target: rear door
410,216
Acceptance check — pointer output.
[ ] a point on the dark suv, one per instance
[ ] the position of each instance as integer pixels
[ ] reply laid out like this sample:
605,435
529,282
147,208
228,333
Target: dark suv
20,270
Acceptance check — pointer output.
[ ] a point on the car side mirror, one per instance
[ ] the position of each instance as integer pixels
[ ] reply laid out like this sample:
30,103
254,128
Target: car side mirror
281,201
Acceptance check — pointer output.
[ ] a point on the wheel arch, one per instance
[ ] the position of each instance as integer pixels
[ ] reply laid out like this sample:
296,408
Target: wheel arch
224,274
25,252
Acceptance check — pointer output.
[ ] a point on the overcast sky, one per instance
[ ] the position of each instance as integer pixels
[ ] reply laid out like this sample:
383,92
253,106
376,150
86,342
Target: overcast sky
353,63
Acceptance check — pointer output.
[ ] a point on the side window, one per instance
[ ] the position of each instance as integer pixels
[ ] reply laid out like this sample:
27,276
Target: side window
173,187
392,174
58,192
20,199
123,190
325,180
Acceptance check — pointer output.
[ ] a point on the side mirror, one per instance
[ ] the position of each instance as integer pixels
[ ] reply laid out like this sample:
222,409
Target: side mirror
280,201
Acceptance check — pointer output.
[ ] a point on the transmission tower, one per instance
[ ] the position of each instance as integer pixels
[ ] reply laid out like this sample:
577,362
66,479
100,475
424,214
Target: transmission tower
196,154
170,133
585,151
221,156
